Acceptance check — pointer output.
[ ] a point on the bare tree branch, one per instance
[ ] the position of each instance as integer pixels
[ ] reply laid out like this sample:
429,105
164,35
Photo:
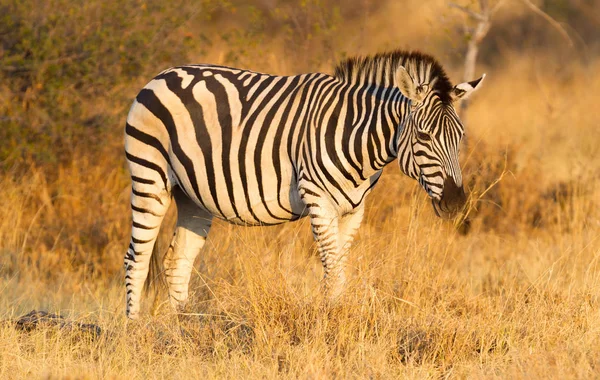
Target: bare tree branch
474,15
482,26
483,5
476,35
550,20
497,7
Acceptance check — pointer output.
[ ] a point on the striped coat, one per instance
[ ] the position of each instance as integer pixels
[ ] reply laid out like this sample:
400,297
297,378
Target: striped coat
258,149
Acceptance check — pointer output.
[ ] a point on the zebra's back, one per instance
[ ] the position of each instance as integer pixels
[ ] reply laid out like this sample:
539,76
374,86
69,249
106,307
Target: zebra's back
227,137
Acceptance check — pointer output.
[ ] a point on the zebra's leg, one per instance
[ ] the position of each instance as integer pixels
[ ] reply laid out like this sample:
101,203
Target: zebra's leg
348,225
334,262
149,204
334,236
193,224
325,227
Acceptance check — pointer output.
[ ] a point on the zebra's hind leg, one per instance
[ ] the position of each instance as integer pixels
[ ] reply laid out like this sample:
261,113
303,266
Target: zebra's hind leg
193,224
149,204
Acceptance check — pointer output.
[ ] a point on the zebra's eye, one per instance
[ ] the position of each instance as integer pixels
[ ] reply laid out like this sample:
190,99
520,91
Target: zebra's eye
424,136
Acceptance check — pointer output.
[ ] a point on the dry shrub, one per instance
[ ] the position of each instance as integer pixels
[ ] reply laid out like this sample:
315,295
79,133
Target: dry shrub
72,223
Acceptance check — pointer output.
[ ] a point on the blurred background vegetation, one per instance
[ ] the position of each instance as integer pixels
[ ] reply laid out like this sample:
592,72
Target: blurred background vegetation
69,69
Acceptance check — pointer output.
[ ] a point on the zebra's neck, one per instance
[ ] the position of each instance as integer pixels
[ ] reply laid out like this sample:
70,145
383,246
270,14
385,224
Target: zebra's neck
376,75
383,128
368,124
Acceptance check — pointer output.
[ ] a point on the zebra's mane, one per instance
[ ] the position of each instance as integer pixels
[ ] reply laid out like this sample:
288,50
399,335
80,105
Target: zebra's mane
381,68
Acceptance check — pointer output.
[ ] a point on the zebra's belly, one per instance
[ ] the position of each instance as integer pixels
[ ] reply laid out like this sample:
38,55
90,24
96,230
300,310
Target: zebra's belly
267,203
257,214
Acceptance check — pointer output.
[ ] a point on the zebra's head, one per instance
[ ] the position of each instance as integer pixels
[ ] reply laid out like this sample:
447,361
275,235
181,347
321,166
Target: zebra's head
432,133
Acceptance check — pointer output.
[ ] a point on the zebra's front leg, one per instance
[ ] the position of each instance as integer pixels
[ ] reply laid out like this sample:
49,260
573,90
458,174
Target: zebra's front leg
348,225
325,228
330,232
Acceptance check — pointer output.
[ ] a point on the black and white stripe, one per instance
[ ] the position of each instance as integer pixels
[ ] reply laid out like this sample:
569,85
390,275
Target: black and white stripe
257,149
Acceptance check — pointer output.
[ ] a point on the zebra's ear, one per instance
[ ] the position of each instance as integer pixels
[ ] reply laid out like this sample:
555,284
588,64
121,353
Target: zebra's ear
408,87
464,90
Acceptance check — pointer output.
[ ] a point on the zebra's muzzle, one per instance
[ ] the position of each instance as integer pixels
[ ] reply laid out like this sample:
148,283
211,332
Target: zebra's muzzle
452,201
428,189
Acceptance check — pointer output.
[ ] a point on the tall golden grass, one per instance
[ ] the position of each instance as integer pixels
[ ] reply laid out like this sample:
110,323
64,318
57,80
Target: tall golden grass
513,296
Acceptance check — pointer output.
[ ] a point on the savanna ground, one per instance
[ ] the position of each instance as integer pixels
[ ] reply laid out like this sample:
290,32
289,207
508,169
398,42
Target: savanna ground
513,296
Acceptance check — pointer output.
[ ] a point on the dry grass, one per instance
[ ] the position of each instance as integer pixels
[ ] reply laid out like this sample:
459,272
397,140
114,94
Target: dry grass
514,297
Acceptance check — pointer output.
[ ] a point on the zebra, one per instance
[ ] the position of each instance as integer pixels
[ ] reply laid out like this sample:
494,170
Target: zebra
257,149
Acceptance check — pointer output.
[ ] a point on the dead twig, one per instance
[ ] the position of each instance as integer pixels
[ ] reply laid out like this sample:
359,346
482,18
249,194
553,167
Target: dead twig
37,319
550,20
476,198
